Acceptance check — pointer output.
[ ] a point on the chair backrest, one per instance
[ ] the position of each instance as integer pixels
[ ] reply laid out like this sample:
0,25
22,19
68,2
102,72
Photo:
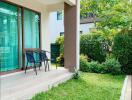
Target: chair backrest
30,56
43,56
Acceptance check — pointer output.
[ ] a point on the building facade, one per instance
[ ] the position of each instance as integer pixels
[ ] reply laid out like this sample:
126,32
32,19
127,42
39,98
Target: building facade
25,25
57,25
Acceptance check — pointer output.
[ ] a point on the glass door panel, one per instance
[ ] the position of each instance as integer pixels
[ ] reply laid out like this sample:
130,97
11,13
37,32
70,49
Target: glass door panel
8,37
31,31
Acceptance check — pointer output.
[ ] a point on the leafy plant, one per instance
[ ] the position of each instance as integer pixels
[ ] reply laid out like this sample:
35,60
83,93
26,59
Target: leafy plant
95,67
60,41
60,59
76,74
83,63
122,50
111,65
92,46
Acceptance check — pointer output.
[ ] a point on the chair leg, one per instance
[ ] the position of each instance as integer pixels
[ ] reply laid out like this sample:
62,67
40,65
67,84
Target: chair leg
35,69
26,67
45,65
48,65
39,65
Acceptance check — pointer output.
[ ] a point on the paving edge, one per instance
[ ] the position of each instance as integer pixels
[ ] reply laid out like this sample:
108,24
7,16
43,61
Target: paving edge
122,97
54,84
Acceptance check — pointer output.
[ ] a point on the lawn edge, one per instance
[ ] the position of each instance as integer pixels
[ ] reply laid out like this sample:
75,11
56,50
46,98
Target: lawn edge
122,97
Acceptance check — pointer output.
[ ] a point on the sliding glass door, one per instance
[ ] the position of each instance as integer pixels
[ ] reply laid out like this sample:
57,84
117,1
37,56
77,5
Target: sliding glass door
8,37
31,29
19,30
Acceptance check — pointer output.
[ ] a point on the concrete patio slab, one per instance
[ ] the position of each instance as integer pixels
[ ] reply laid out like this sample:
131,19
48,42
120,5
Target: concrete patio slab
21,86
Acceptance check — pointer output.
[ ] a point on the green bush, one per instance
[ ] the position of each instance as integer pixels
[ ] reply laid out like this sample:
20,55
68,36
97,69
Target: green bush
60,60
91,45
95,67
83,63
111,65
92,66
60,41
122,50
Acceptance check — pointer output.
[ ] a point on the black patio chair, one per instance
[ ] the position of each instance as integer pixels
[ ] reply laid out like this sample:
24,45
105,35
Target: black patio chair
44,58
31,59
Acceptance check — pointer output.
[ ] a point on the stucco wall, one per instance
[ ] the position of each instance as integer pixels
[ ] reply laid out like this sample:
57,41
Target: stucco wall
85,28
56,26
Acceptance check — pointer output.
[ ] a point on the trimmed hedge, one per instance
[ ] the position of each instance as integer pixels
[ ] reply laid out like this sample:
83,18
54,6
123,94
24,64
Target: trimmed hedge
91,45
111,65
122,50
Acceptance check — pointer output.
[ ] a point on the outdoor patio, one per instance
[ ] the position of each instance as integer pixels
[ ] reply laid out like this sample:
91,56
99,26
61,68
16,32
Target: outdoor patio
21,86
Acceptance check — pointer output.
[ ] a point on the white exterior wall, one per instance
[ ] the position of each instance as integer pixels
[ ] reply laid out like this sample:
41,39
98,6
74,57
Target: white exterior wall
56,26
85,28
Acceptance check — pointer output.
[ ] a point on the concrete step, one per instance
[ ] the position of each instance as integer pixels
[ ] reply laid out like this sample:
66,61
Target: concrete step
25,88
21,77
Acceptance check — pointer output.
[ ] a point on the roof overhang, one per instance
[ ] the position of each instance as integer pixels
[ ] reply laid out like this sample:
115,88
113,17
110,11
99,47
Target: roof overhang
51,2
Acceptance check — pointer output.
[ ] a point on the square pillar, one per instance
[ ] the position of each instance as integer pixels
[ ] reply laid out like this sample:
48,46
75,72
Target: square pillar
72,36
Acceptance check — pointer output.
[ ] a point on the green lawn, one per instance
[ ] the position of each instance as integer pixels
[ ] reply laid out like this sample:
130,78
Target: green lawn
90,86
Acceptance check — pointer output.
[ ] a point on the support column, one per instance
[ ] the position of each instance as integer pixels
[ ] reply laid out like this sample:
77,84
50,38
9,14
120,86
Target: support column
72,36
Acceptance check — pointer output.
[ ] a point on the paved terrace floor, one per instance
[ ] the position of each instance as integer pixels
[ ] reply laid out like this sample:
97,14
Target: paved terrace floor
21,86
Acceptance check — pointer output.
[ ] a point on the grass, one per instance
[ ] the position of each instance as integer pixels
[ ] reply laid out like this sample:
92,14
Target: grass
89,86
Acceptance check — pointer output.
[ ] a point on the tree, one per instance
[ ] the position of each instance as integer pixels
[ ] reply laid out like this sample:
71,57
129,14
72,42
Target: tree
96,7
114,14
118,17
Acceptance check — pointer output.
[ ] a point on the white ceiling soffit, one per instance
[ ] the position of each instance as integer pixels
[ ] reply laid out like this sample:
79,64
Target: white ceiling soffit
50,2
70,2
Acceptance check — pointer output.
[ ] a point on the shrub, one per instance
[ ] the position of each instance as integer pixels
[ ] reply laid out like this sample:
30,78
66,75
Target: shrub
95,67
91,45
60,59
83,63
122,50
76,75
60,41
111,65
92,66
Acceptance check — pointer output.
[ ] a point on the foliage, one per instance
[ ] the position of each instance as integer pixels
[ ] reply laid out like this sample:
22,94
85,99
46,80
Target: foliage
76,74
96,7
117,17
92,46
95,67
83,63
122,50
60,59
114,15
89,86
111,65
60,41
